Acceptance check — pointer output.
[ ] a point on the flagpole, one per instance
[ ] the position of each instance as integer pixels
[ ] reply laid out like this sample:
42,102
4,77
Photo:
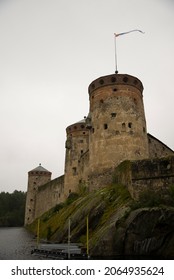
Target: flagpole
116,70
119,34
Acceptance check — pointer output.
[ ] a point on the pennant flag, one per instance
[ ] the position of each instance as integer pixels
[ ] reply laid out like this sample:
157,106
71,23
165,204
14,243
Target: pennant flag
119,34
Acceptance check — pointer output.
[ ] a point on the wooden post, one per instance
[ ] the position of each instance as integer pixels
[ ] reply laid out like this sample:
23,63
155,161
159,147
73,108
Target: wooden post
38,232
87,236
69,237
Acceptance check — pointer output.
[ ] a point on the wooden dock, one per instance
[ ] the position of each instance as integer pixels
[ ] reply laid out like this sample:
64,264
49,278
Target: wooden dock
61,251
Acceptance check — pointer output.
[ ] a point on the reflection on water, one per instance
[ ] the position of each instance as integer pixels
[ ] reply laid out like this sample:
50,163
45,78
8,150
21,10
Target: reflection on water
16,244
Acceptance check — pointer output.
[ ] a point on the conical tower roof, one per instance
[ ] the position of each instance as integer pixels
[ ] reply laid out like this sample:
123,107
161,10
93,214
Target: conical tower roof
40,169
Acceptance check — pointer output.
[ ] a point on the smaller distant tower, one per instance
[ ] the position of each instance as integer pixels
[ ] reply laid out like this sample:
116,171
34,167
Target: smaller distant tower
36,177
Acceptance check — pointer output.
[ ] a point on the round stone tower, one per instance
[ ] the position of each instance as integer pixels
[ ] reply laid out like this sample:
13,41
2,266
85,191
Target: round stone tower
36,177
76,146
116,121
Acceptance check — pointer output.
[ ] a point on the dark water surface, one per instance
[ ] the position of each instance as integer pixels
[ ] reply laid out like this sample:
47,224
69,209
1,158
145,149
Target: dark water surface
16,244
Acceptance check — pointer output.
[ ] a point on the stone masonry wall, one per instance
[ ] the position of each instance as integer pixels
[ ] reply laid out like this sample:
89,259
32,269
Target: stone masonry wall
142,175
98,180
158,149
156,175
49,195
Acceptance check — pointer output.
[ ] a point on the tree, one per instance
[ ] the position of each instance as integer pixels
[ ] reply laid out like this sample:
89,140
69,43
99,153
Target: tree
12,208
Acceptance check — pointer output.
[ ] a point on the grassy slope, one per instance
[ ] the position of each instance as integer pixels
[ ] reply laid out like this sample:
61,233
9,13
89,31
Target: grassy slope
103,207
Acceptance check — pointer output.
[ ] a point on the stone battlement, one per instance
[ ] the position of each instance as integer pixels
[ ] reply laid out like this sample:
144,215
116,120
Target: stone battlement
115,79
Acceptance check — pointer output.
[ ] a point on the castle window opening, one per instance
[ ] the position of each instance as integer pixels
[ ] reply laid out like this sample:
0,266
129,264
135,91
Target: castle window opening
81,151
123,126
74,170
130,125
114,89
81,141
101,81
84,132
113,115
144,130
93,130
105,126
101,101
75,127
69,190
82,126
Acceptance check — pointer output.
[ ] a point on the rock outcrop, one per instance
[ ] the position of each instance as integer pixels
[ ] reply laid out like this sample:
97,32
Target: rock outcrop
119,227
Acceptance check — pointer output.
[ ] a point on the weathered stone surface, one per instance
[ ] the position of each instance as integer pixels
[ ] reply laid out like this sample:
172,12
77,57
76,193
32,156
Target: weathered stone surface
146,233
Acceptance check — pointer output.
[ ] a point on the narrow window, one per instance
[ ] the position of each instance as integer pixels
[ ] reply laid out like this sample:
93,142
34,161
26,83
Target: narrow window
105,126
113,115
74,170
123,126
130,125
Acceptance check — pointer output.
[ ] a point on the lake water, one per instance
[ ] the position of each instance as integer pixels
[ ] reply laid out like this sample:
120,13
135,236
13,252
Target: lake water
16,244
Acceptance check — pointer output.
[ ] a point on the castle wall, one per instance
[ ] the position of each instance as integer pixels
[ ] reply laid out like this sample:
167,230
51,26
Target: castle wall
83,167
158,149
150,174
97,180
156,175
49,195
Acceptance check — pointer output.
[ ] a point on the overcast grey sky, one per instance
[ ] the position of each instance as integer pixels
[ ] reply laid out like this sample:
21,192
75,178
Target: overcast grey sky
51,50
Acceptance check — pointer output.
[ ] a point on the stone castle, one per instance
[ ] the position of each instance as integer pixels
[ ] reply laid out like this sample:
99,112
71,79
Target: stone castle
114,131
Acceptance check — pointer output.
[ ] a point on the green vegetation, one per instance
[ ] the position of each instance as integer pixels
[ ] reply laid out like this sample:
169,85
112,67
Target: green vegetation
99,206
110,210
12,209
